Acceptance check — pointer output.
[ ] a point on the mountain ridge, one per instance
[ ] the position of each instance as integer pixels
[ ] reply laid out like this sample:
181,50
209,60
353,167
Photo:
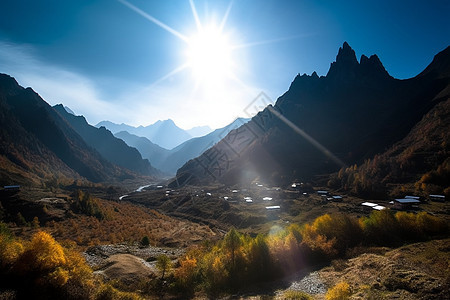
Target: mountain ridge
165,134
355,112
170,160
111,148
25,111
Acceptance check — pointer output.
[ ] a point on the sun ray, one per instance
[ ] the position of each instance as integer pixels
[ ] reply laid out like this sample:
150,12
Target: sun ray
154,20
246,87
272,41
225,17
194,13
171,73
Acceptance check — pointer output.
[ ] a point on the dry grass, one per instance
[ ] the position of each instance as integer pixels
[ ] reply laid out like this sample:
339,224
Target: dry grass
416,271
126,222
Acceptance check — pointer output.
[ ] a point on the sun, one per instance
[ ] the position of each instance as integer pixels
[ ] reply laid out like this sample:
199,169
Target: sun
209,55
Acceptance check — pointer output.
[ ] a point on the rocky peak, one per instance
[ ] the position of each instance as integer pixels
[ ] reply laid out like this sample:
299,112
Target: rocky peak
345,65
346,68
372,67
346,55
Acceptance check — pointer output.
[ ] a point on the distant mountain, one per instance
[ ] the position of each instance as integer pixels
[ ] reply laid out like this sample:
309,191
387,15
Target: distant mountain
324,123
199,131
111,148
170,160
37,144
196,146
163,133
154,153
114,128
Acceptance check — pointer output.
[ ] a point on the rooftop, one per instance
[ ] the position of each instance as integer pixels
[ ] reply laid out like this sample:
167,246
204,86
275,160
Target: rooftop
407,200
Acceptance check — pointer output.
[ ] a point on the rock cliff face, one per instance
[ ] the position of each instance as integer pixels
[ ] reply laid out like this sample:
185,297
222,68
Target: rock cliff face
323,123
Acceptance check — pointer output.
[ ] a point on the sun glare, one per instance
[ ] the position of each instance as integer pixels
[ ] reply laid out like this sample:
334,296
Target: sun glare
209,55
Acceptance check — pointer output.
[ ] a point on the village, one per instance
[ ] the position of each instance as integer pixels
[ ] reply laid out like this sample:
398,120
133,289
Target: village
257,207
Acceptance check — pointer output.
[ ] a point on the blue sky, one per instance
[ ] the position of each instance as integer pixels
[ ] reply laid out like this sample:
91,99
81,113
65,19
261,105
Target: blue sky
110,60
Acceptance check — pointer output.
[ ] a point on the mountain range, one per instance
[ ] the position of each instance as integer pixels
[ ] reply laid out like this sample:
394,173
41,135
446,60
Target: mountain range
170,160
323,124
38,145
165,133
111,148
358,120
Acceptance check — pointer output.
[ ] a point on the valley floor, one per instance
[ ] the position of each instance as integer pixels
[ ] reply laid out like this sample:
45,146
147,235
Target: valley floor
175,219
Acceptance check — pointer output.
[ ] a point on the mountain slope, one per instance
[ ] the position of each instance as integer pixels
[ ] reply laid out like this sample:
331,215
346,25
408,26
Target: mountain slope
163,133
418,164
23,157
196,146
111,148
154,153
38,143
323,123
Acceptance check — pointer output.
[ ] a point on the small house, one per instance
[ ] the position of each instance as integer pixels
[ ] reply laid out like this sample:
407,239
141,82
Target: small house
273,212
369,204
337,198
12,187
412,197
405,203
274,207
379,207
440,198
248,199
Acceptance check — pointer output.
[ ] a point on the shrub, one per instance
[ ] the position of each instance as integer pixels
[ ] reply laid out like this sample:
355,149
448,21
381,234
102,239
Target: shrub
381,228
43,265
430,225
43,255
10,250
296,295
186,274
408,225
340,291
85,204
145,241
343,229
107,292
163,264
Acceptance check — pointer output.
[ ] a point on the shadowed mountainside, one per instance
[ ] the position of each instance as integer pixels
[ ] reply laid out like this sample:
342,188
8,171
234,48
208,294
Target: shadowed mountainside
111,148
151,151
37,143
324,123
421,158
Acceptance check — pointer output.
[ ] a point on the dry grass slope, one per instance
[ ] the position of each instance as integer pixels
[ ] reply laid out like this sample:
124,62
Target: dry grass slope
416,271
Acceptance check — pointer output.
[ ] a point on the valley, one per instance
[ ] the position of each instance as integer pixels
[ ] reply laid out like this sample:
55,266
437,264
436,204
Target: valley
339,190
178,221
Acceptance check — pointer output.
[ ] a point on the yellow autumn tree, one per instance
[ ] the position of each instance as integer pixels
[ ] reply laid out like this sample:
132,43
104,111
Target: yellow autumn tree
340,291
10,249
186,274
45,259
